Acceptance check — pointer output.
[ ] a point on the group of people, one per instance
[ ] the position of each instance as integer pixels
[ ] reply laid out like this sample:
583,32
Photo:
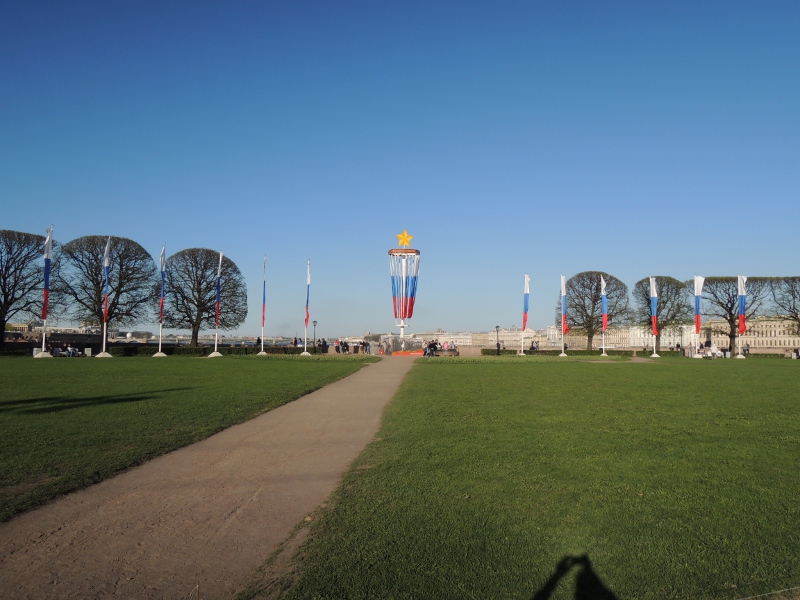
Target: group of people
430,348
343,347
64,350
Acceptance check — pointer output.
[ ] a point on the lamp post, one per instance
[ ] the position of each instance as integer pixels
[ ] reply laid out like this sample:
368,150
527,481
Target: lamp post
315,336
497,330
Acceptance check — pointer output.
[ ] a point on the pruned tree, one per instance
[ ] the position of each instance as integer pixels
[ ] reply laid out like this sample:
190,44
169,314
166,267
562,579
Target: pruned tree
191,294
585,305
21,276
79,280
721,295
672,309
786,296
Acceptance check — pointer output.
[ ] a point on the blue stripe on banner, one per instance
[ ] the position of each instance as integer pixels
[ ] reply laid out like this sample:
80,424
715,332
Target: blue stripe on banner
742,304
563,305
218,290
525,304
697,305
653,306
605,305
107,269
47,273
163,282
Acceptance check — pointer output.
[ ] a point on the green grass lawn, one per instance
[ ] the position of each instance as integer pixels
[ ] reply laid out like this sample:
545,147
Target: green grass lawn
539,479
67,423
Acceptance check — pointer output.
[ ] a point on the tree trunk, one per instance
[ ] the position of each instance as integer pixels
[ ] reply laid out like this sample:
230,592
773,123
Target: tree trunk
589,339
195,332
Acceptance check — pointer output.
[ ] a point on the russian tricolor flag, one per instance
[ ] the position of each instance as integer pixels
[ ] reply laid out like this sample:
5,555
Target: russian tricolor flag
698,292
48,253
264,295
525,302
308,290
654,305
106,269
564,326
742,304
163,284
219,280
605,302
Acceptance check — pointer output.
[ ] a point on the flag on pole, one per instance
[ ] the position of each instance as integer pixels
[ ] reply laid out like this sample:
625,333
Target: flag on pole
264,295
605,302
106,269
654,305
742,303
564,326
48,252
163,284
525,302
698,291
308,290
219,279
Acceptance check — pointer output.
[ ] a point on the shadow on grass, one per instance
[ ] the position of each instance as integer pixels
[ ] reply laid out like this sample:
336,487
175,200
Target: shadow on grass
588,586
32,406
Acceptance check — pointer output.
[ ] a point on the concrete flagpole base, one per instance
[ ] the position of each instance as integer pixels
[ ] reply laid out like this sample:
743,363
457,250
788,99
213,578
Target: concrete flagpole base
654,355
214,355
104,355
305,354
262,353
158,355
604,354
563,354
740,356
43,355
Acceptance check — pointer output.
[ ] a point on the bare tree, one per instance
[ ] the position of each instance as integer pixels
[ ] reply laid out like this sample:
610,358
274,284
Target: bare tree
721,295
585,303
79,280
786,296
673,307
191,295
21,275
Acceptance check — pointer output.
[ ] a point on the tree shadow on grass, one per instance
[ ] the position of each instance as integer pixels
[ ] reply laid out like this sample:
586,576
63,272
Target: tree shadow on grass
588,586
51,404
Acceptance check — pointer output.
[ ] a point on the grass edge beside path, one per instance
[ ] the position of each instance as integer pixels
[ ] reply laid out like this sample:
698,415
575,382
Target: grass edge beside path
70,423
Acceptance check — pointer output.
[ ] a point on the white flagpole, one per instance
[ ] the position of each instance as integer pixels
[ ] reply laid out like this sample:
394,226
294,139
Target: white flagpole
263,303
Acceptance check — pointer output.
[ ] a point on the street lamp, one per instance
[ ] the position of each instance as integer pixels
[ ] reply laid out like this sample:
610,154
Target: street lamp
497,329
315,336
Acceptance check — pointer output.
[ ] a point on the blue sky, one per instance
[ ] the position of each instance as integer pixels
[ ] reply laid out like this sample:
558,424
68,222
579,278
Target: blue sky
635,138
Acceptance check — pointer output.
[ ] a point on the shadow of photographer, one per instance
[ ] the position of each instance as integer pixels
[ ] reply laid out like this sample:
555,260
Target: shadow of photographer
587,583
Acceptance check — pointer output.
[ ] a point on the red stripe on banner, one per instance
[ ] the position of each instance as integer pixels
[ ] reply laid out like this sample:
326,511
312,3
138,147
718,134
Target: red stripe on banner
161,310
306,316
105,309
742,324
605,322
524,321
263,314
655,325
216,322
44,306
564,326
697,323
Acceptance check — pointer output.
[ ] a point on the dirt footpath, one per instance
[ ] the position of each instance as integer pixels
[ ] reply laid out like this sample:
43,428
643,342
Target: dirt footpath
210,513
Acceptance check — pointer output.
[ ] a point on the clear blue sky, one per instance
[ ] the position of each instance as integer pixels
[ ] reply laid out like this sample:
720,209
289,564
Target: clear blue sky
635,138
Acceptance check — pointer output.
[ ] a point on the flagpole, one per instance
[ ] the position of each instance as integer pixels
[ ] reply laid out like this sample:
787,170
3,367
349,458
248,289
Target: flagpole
263,306
106,269
163,263
308,295
48,248
216,353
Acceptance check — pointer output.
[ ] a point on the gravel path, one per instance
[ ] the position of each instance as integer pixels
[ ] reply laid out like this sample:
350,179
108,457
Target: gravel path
207,514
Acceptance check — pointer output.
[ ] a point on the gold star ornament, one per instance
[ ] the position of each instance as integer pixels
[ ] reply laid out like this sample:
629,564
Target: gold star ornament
403,239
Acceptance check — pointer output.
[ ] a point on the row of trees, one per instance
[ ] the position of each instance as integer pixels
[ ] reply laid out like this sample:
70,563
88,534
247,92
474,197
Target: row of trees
765,296
77,284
